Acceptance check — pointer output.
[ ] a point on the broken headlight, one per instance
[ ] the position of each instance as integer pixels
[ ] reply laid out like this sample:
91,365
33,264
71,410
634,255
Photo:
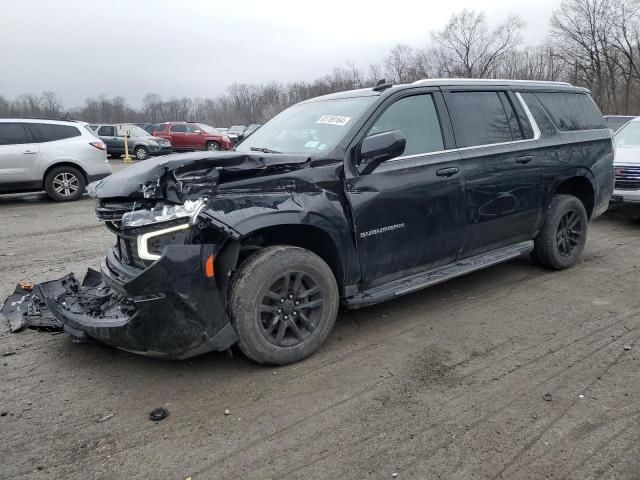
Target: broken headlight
190,209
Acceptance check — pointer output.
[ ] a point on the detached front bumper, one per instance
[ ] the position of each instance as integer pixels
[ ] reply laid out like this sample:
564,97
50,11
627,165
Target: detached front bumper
170,309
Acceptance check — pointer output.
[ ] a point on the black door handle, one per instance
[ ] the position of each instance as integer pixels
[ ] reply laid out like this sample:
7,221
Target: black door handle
524,160
447,172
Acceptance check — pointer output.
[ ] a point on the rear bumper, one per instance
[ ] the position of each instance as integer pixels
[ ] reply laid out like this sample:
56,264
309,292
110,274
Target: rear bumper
170,309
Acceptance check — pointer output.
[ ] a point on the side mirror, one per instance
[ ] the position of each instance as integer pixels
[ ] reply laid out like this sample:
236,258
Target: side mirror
380,147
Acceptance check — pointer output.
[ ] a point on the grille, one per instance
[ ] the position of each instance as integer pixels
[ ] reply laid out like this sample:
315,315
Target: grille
627,178
110,210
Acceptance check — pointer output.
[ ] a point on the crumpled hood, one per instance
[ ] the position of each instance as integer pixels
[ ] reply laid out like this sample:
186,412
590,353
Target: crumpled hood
173,177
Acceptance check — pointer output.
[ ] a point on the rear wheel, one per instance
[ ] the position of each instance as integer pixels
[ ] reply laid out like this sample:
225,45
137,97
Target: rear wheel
283,303
561,241
141,153
64,184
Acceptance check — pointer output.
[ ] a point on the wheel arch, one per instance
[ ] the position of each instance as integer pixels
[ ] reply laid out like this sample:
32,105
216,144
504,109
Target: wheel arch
309,237
65,163
582,187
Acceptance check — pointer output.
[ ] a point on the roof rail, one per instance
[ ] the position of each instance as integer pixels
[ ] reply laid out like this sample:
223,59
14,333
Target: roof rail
487,81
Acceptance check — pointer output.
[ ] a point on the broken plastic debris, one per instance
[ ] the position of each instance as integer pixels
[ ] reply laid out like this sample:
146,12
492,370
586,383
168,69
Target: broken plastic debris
28,286
627,347
227,411
547,397
158,414
105,418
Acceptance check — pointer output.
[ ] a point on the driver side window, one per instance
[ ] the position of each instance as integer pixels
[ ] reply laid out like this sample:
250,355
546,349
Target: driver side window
416,117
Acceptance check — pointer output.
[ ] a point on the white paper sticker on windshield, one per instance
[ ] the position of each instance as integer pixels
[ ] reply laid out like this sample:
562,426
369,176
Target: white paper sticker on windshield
311,144
334,120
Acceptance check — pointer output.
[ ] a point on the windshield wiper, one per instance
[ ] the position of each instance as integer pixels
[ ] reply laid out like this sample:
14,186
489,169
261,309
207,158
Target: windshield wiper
263,150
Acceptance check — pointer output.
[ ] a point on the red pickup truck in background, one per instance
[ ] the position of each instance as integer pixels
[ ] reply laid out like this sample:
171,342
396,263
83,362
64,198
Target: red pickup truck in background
190,136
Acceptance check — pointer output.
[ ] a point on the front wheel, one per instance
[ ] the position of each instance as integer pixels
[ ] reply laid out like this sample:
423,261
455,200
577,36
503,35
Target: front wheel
283,304
561,241
141,153
213,146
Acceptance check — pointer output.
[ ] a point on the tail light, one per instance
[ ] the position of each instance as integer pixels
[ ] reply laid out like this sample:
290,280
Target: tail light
98,145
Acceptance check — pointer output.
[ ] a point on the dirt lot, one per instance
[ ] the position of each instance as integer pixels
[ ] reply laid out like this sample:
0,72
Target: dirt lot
445,383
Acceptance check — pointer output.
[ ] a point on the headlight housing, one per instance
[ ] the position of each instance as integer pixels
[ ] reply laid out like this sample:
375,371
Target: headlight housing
138,218
154,142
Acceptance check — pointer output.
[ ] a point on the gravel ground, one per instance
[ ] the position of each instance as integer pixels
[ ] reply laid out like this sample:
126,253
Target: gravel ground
444,383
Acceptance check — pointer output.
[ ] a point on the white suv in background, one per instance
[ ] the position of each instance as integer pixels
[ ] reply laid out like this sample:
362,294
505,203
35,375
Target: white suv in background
627,164
60,157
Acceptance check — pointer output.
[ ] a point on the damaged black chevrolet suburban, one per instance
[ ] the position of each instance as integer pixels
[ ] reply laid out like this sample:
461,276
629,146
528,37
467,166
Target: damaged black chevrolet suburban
351,198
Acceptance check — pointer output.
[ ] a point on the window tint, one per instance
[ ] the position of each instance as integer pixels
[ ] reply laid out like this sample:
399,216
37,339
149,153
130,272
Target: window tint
479,118
107,131
571,111
192,128
13,133
46,132
512,117
178,128
417,119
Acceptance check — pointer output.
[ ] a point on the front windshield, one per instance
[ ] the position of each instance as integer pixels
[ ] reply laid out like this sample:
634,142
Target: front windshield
133,131
629,134
312,127
206,128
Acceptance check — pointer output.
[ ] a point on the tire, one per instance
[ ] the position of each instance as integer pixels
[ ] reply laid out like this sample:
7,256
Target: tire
213,146
561,241
271,327
65,184
141,153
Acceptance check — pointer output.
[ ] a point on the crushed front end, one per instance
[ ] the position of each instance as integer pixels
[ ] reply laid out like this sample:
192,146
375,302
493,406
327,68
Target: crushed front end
165,305
162,288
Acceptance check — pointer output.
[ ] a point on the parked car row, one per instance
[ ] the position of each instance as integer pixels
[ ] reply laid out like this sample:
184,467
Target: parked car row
140,143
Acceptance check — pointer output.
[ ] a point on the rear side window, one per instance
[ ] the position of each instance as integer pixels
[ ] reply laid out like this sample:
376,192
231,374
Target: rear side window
179,128
417,119
45,132
571,111
13,134
107,131
479,118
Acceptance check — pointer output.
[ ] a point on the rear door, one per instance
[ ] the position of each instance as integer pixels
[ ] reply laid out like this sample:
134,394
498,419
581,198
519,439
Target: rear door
19,156
503,173
107,134
179,136
409,211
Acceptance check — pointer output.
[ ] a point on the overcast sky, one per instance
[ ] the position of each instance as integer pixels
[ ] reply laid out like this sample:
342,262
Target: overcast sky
81,48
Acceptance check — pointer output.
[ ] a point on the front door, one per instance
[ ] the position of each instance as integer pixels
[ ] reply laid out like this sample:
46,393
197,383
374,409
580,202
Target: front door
19,156
503,174
409,211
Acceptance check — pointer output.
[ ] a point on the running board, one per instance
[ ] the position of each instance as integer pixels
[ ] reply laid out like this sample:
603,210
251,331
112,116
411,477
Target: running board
396,288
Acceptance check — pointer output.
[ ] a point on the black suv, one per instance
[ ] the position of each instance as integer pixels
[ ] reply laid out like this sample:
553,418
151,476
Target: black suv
347,199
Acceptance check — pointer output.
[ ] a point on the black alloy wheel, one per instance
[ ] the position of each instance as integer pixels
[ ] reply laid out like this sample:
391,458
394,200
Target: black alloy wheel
289,311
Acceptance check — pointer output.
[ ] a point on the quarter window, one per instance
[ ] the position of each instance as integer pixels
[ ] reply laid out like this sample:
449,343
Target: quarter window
416,117
178,128
479,118
13,134
46,132
572,111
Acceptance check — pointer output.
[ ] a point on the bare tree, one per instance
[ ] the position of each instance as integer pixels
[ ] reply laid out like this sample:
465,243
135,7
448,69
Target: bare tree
398,63
466,47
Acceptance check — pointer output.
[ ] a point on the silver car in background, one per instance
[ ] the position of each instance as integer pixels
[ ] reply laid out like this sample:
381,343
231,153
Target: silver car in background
60,157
